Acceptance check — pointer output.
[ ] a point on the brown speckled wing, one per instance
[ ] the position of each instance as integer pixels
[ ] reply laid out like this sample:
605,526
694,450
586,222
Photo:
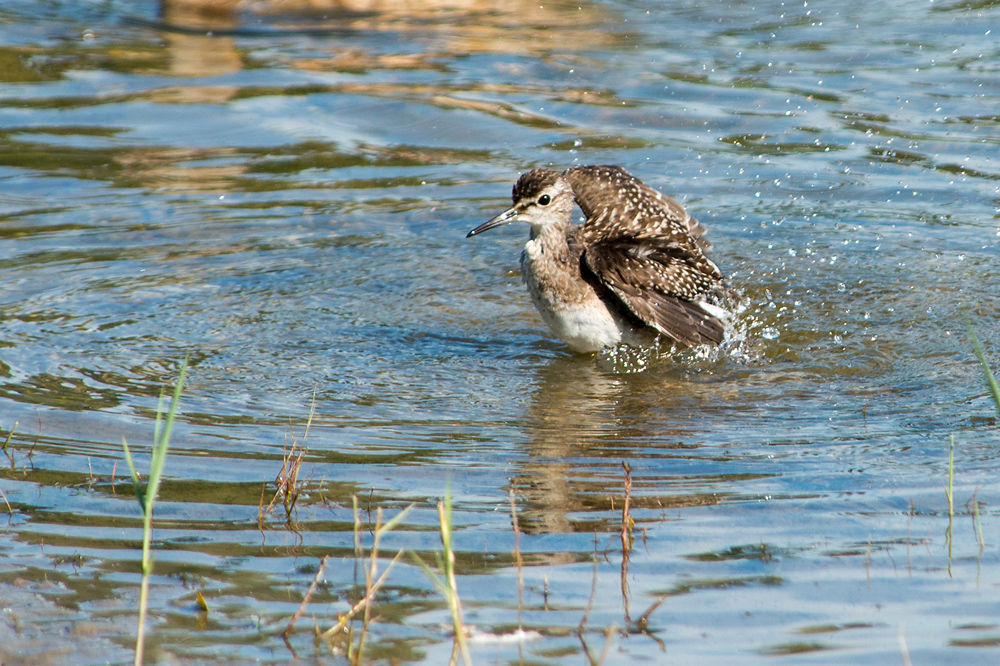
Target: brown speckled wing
616,203
657,282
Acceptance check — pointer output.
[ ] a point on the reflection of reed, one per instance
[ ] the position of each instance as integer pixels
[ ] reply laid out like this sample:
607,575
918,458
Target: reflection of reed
200,42
194,55
171,168
558,13
455,27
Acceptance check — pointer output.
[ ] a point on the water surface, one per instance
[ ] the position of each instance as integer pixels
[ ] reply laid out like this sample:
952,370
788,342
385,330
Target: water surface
282,193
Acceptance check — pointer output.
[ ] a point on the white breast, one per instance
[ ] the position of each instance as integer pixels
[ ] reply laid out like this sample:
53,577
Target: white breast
570,307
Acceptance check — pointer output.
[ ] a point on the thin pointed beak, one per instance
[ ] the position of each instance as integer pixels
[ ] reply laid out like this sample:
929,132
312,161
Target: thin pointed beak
503,218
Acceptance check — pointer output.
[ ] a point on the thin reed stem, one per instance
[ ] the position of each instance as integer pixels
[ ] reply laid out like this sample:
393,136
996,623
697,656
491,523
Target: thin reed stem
305,600
446,585
593,593
454,603
372,584
950,492
147,498
627,524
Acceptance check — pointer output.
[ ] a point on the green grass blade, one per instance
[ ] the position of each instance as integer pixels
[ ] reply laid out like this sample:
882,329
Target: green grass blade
10,434
147,498
431,575
395,520
162,440
981,355
141,496
951,479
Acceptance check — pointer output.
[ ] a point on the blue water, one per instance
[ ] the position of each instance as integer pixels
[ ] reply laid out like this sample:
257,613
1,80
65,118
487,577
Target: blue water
282,194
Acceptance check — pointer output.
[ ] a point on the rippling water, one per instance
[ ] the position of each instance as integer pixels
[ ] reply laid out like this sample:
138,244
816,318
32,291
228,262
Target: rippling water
281,190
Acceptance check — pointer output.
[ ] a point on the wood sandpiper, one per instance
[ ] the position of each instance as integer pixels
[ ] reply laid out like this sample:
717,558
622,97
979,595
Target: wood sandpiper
635,269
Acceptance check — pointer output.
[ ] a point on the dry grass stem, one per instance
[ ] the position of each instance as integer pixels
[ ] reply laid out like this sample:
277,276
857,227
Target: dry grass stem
950,493
627,540
642,624
593,592
260,508
446,584
609,633
358,550
286,483
4,496
627,522
365,601
370,579
454,603
373,583
305,600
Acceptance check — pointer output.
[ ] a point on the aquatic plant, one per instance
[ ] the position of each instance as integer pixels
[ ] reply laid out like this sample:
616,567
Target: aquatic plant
446,583
286,484
981,355
949,492
373,583
147,497
6,443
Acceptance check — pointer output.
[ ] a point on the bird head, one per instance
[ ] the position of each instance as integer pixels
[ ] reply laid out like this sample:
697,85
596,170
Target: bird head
542,198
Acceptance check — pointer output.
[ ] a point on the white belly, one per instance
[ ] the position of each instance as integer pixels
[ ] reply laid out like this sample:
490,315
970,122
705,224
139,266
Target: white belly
586,327
570,307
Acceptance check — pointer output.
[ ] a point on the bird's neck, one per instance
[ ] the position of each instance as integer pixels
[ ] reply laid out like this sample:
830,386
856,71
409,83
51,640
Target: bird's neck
552,241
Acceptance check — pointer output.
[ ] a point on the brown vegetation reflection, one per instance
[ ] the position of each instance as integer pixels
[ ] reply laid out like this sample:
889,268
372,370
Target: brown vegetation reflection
201,32
580,412
475,25
204,54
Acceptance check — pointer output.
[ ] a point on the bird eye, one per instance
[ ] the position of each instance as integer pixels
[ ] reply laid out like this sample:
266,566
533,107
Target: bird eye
544,200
